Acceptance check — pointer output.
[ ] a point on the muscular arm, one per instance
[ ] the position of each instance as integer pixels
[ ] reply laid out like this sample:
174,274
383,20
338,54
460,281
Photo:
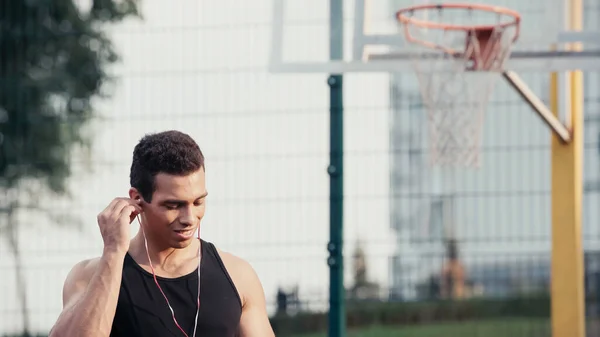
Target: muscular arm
255,320
90,296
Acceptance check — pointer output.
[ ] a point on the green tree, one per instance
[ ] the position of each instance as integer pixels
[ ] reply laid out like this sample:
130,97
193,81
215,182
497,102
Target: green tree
55,59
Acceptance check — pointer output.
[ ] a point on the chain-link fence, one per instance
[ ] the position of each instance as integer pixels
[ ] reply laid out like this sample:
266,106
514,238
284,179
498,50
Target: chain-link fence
201,67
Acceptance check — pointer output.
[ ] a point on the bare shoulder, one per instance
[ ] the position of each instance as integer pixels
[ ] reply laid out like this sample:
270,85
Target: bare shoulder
255,320
78,278
83,269
242,273
234,263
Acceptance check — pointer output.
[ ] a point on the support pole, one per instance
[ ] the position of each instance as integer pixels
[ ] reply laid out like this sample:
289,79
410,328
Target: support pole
337,311
567,283
538,106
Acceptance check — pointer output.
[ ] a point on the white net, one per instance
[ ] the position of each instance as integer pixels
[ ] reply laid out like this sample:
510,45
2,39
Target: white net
457,70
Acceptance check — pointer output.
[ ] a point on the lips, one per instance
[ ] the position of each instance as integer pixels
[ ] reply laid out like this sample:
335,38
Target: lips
184,233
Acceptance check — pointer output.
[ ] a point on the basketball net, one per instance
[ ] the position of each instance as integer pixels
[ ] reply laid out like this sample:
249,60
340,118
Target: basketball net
456,71
457,66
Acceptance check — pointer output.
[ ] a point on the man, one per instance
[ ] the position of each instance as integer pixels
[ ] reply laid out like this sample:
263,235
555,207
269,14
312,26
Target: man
453,278
164,281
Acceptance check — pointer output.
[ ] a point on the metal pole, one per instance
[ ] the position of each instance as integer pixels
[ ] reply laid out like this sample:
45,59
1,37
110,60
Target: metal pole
337,312
567,279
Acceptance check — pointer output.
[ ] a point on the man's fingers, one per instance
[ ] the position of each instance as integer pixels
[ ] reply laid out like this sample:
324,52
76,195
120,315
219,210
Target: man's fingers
110,206
117,206
120,208
136,204
125,202
127,211
133,215
108,211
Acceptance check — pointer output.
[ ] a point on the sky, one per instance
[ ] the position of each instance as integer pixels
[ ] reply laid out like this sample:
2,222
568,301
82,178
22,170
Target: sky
201,67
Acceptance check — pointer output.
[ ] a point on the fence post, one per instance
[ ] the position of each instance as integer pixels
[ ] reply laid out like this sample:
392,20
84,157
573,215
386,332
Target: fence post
337,312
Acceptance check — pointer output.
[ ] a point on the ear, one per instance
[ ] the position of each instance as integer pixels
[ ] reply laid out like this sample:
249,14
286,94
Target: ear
134,194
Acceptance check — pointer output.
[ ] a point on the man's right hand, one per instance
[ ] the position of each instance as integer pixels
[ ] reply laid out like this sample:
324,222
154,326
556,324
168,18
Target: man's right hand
91,290
114,223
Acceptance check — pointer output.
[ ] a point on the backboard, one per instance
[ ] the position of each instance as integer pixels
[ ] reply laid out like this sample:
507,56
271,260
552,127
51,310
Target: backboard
373,41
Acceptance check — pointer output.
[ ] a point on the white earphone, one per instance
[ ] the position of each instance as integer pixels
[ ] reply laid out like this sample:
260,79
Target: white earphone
158,285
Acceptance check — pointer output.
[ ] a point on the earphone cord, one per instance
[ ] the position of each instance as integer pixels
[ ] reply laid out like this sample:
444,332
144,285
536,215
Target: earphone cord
162,292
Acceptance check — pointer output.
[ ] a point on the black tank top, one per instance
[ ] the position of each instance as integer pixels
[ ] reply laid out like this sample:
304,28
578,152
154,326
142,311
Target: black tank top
143,312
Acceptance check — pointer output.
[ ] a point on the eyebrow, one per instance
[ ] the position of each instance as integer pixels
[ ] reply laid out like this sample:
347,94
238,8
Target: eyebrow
177,201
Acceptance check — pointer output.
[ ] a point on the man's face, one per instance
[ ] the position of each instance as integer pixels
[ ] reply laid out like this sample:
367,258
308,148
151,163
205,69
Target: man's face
177,207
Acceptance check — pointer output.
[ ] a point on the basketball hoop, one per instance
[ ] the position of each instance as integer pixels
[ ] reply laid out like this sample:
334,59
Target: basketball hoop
457,65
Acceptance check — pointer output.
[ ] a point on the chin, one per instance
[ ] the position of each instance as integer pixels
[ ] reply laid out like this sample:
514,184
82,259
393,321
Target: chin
182,243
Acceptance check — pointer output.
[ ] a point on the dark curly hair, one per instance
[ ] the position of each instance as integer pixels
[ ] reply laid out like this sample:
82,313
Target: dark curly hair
171,152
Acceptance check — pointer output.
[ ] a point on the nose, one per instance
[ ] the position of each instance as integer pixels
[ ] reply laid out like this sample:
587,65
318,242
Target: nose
188,217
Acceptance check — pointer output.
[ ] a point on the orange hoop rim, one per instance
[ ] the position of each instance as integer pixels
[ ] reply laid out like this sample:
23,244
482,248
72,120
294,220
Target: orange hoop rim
401,16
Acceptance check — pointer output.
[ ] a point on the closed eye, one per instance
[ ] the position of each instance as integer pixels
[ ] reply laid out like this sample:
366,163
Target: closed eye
171,206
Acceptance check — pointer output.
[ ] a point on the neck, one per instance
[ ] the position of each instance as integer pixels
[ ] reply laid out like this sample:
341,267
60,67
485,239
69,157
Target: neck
160,255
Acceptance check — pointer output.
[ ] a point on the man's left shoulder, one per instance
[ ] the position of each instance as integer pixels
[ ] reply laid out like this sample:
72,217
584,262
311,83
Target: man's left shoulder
242,273
234,263
255,320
